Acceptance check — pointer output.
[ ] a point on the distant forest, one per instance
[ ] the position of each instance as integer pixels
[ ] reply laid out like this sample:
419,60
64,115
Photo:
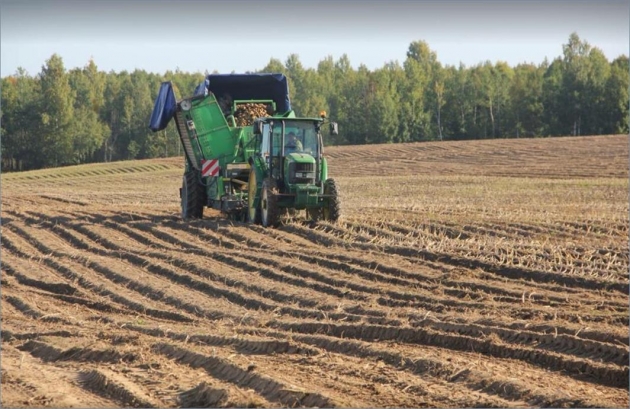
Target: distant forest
63,117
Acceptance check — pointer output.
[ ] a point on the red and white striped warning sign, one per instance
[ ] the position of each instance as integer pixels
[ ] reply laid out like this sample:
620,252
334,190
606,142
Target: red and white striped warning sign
210,167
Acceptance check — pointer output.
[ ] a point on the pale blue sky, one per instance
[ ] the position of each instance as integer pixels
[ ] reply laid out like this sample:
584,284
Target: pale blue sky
243,35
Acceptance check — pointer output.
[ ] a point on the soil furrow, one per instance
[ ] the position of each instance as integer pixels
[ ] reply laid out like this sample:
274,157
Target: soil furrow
71,275
607,375
50,353
512,272
450,375
266,387
108,385
30,311
242,345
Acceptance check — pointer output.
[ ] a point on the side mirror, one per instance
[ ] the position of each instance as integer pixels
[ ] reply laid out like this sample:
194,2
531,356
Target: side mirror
258,128
333,128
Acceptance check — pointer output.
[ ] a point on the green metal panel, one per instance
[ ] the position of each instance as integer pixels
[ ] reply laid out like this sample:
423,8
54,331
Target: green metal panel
299,158
216,138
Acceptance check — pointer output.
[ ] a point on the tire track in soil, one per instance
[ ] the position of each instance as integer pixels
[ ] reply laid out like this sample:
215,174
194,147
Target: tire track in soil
293,268
9,336
59,292
442,371
601,373
114,386
458,293
29,384
562,343
241,345
520,251
30,311
191,283
49,353
339,378
235,297
498,254
187,266
71,275
511,272
419,279
427,301
269,388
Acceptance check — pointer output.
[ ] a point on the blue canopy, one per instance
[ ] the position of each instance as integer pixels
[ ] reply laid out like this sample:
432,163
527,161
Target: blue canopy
249,86
164,109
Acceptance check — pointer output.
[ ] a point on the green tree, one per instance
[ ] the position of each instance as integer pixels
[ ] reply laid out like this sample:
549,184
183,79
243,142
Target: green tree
87,131
555,102
615,104
56,113
526,97
419,66
21,101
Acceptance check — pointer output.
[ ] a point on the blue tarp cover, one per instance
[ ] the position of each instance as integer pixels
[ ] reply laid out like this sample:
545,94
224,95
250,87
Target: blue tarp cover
164,109
238,86
249,86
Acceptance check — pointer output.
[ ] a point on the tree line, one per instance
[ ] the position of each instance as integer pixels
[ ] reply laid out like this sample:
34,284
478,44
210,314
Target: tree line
82,115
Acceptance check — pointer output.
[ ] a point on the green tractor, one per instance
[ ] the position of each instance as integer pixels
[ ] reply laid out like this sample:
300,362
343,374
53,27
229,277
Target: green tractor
250,169
289,171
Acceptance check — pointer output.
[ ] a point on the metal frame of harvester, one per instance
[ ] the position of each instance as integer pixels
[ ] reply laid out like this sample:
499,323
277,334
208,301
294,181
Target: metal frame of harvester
249,172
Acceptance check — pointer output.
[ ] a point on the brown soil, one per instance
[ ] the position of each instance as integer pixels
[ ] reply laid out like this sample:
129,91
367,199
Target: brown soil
467,274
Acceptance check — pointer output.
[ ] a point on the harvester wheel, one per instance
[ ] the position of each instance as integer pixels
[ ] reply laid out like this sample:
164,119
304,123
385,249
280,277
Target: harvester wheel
269,212
332,211
253,212
192,195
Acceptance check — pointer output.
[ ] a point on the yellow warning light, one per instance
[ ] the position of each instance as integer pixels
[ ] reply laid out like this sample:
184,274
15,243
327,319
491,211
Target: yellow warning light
322,114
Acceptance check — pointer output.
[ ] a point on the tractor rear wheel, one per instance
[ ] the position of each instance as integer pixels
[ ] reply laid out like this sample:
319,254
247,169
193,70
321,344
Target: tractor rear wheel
269,212
253,212
192,196
332,210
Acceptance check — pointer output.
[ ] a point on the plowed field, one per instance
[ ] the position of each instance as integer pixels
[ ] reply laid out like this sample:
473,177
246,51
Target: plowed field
463,274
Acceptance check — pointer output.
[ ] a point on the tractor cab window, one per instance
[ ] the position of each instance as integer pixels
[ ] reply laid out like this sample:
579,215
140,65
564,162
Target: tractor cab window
301,137
276,138
264,148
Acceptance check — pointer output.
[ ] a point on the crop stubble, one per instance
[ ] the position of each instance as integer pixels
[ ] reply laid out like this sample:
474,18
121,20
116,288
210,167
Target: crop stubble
483,273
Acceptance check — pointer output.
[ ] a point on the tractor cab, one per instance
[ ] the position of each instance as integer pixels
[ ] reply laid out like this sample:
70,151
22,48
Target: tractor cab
292,149
289,170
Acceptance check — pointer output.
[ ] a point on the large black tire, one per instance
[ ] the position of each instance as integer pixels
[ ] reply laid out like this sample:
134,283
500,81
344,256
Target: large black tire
192,196
269,212
332,210
253,212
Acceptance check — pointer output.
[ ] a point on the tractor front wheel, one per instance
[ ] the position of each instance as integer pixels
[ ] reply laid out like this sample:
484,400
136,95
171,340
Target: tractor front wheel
332,209
269,211
192,196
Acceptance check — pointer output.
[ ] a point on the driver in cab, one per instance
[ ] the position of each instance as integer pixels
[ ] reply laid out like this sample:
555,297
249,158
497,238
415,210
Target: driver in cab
293,143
